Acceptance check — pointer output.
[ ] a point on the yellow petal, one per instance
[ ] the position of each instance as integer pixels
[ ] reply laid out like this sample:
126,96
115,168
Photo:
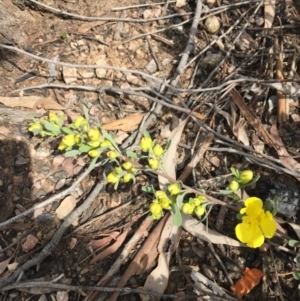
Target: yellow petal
253,206
268,225
249,234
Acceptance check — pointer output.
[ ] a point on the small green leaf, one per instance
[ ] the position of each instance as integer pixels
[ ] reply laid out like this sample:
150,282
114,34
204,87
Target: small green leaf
148,189
93,163
50,127
225,191
298,259
146,134
72,153
85,148
132,154
86,114
296,275
177,217
235,172
168,145
67,131
111,138
294,243
268,206
299,287
276,202
239,216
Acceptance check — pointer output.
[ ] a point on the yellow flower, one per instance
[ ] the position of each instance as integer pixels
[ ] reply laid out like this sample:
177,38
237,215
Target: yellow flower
199,211
112,178
94,153
257,224
112,154
35,128
127,177
160,194
154,163
80,122
187,208
62,146
53,118
146,143
127,165
78,139
246,176
105,144
199,200
156,209
94,143
132,170
158,150
234,185
165,203
69,140
174,188
94,134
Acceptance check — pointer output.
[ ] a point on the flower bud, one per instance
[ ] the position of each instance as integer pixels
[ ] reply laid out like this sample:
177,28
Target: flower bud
127,165
94,153
127,177
199,200
187,208
160,194
165,203
112,178
78,139
199,211
105,144
154,163
132,170
157,215
35,128
80,121
146,143
94,134
94,143
158,150
155,208
53,118
234,185
62,146
69,140
174,188
246,176
112,154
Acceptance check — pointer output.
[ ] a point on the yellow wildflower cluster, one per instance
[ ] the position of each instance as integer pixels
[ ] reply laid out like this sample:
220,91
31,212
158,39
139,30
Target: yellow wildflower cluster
241,179
195,206
161,202
126,173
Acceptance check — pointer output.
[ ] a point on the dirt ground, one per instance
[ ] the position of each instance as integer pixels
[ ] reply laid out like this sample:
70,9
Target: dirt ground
32,170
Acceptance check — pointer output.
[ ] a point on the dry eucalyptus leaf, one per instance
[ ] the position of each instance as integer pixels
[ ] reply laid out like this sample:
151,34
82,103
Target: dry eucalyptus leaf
66,207
127,124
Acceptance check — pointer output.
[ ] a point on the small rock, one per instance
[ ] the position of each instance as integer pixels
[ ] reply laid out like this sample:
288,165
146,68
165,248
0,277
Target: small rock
69,74
151,66
166,61
57,161
212,24
69,165
85,73
30,242
100,72
66,206
60,183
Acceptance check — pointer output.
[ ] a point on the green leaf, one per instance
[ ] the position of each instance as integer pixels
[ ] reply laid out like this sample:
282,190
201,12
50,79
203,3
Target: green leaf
296,275
116,185
67,131
72,153
50,127
177,217
132,154
239,216
268,206
225,191
146,134
298,259
235,172
168,145
276,202
148,189
179,199
93,163
110,138
299,287
85,148
294,243
86,114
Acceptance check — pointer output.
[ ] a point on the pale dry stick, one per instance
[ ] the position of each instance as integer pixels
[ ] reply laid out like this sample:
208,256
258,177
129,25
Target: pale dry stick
212,249
140,5
153,53
48,201
49,248
81,17
218,38
164,10
123,257
81,289
232,47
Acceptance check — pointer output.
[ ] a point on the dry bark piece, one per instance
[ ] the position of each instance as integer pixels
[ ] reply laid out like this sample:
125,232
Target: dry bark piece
127,124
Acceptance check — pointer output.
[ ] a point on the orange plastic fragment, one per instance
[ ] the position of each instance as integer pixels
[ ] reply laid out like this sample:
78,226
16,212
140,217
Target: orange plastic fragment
250,279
